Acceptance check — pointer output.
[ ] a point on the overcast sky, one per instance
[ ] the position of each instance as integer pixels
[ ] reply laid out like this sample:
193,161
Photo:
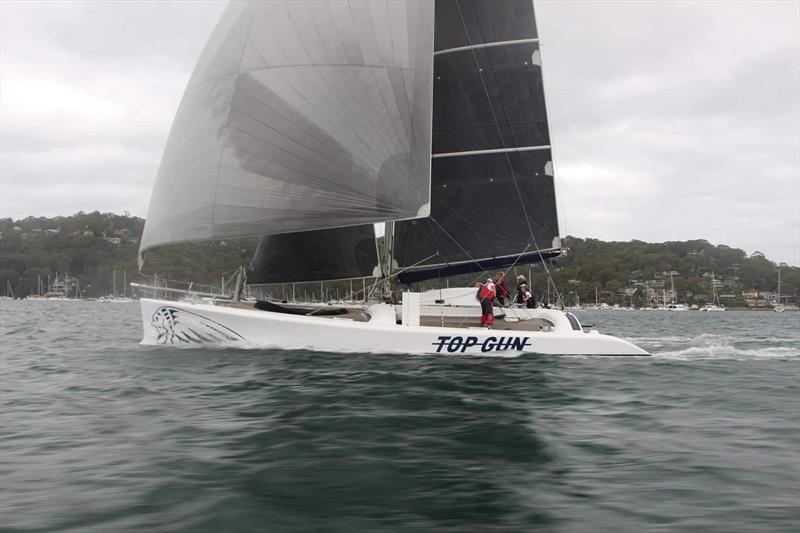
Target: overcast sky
670,120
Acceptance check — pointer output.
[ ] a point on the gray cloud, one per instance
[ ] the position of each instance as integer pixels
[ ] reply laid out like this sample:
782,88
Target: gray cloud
88,95
669,120
677,120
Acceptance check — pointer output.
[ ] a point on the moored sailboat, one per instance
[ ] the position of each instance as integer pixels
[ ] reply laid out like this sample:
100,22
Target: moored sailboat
674,305
308,137
778,307
714,306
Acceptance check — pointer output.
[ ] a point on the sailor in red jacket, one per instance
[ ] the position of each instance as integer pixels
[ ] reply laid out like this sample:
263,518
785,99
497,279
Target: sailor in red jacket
486,297
501,289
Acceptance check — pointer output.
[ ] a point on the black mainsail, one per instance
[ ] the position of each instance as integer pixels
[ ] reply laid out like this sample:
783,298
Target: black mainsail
492,192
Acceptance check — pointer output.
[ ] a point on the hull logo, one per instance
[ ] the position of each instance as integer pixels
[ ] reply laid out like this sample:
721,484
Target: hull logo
178,326
489,344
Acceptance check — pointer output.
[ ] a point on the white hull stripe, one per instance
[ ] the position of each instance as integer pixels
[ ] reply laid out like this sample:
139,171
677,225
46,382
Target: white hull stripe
485,45
493,151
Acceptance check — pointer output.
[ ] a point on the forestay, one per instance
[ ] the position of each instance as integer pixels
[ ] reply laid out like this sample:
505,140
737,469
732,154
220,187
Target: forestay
300,116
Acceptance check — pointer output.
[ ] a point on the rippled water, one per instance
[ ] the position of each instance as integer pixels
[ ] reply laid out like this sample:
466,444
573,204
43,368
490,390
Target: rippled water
100,434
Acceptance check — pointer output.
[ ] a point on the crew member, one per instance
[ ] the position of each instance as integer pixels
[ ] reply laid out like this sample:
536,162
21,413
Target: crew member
528,298
520,296
487,295
501,289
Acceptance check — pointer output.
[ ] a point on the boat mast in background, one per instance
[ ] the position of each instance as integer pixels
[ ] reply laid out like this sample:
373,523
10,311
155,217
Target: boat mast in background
778,307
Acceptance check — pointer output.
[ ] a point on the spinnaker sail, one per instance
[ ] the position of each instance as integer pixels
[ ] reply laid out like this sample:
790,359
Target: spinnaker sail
300,116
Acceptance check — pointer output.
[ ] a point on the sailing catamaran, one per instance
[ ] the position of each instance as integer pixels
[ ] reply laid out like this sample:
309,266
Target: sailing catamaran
306,123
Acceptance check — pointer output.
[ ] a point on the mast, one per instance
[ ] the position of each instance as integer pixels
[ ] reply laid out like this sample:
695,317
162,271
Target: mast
386,261
671,286
714,290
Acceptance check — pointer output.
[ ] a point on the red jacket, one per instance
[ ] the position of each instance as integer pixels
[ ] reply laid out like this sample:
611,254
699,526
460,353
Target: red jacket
502,288
487,291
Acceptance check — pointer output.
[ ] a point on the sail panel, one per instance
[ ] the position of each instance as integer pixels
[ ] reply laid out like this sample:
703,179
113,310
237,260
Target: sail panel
486,208
481,208
514,113
300,116
337,253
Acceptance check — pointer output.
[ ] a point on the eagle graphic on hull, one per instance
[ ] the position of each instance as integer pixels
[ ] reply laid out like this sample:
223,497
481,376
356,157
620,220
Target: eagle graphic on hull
178,326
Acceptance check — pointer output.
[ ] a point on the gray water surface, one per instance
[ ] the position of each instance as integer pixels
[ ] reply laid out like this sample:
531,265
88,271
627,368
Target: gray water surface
100,434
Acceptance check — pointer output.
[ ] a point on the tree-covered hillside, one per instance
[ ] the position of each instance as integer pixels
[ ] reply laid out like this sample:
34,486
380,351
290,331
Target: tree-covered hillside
91,246
613,267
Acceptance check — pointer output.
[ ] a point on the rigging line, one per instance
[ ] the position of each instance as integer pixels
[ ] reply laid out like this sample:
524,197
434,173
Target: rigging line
393,274
457,244
483,270
519,256
469,224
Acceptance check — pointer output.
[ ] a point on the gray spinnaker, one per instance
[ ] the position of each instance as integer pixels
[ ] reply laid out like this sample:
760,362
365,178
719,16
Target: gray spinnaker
492,191
300,116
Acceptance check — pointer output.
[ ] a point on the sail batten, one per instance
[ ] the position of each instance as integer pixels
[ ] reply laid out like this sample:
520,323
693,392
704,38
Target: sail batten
321,110
484,45
492,151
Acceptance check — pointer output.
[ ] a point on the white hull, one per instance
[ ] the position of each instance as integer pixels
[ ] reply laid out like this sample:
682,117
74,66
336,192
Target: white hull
188,323
677,307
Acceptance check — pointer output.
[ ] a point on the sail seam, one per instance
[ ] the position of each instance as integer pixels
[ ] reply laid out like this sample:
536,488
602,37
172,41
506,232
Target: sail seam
484,45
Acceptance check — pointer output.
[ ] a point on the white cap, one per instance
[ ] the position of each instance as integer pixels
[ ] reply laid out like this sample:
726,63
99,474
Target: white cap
488,280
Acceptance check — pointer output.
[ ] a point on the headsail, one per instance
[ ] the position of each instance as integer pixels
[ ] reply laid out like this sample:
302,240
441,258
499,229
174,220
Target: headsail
336,253
492,191
300,116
